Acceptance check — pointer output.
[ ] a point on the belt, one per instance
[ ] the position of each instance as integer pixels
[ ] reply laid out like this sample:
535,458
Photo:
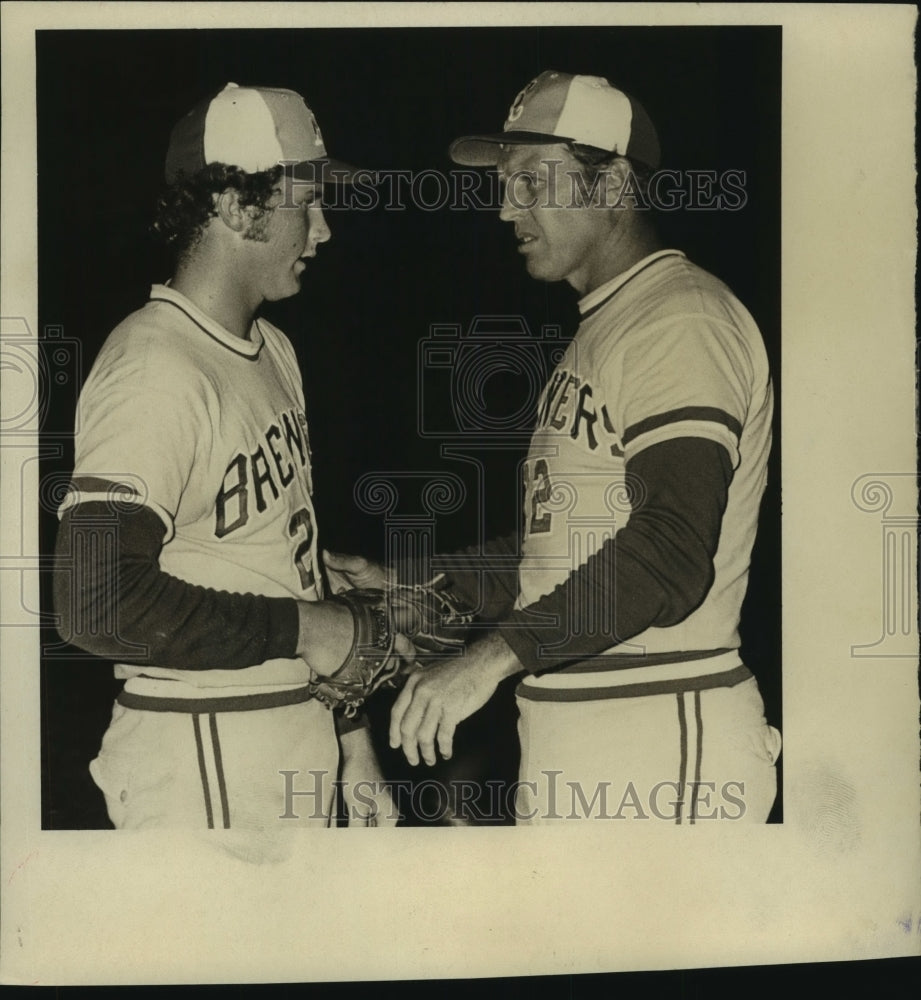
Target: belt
204,701
723,669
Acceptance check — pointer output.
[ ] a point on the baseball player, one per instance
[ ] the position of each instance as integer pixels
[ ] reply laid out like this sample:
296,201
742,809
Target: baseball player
642,482
193,441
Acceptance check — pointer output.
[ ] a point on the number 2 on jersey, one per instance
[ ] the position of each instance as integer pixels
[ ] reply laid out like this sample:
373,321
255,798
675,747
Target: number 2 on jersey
303,561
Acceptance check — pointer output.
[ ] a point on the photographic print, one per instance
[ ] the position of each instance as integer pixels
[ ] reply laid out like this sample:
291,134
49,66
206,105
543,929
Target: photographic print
456,428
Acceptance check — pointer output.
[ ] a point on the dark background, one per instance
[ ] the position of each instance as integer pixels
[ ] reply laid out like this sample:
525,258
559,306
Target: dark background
388,99
900,976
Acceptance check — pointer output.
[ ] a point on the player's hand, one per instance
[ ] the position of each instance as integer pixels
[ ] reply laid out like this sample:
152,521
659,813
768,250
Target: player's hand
347,572
365,795
437,698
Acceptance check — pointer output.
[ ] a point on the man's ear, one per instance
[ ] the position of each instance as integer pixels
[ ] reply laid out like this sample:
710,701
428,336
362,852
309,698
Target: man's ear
623,189
230,211
618,173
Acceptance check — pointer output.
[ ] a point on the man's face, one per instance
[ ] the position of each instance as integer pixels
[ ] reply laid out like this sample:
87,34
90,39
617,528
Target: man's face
562,233
285,235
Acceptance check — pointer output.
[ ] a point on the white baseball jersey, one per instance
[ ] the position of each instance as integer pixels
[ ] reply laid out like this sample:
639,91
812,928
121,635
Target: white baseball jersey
663,351
209,431
669,725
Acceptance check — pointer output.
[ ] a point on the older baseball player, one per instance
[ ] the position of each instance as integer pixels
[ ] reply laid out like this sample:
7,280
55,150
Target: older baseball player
643,482
193,439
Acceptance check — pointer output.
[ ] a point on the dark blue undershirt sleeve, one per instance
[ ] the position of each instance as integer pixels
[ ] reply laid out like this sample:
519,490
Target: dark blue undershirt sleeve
656,570
484,577
179,625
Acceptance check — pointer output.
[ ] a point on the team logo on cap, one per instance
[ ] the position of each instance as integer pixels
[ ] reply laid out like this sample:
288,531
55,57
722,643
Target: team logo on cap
517,108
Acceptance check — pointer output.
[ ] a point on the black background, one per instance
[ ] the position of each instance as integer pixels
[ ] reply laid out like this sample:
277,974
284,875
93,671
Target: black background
899,976
388,99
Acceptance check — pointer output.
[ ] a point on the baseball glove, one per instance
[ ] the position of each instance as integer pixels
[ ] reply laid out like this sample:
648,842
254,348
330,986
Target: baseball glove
427,614
371,661
430,615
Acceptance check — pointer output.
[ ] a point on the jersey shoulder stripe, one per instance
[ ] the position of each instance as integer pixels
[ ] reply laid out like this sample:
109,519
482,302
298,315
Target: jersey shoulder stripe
684,414
117,495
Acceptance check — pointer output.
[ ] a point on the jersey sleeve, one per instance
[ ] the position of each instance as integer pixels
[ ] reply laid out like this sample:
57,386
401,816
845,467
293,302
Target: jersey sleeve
116,602
689,377
487,577
654,572
140,427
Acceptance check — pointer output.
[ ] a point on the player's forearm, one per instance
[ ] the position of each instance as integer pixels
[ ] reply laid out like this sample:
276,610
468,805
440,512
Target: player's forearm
108,609
653,573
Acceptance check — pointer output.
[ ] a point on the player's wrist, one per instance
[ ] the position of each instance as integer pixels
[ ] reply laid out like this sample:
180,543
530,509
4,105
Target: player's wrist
325,633
356,745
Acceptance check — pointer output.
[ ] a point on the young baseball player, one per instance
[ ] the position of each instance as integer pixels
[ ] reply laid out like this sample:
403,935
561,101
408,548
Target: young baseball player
643,482
193,444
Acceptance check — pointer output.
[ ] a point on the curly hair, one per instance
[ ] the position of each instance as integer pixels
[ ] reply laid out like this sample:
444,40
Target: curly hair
187,204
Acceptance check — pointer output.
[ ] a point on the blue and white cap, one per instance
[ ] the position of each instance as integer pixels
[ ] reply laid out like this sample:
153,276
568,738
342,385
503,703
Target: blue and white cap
561,108
255,129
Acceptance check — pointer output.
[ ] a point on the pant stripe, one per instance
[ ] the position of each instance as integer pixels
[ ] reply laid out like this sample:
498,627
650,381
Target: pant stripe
698,719
202,770
219,767
683,766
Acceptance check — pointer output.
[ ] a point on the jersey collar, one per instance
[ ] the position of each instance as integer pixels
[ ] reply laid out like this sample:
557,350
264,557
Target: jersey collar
594,300
247,348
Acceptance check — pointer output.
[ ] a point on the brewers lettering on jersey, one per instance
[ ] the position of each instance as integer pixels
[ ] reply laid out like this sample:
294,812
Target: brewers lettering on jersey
643,482
193,436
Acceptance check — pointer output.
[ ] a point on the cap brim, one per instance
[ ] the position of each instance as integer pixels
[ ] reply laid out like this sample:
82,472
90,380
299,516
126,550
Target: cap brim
483,150
328,171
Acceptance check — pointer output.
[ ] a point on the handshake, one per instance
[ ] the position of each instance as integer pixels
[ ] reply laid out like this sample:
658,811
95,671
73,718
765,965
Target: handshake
393,626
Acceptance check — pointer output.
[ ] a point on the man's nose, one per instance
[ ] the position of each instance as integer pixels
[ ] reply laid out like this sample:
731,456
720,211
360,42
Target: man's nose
511,208
319,230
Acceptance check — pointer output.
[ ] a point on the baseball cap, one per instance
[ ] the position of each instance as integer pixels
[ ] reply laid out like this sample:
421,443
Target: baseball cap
561,108
255,129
